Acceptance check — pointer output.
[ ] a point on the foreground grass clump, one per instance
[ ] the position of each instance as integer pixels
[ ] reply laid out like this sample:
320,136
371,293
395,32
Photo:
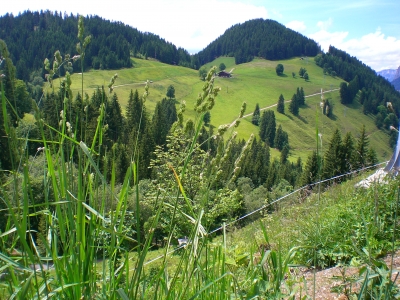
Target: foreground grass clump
342,226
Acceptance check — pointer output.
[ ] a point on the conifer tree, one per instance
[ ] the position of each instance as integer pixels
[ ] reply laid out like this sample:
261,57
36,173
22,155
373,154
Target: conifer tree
281,138
311,170
301,97
372,158
169,109
268,127
345,95
294,105
256,115
114,118
159,125
281,105
284,154
334,156
348,153
134,113
361,150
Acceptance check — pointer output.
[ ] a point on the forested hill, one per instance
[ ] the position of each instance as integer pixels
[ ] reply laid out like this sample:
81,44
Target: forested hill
33,36
373,92
264,38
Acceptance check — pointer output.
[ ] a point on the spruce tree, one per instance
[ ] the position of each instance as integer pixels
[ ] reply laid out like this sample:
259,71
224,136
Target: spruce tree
294,105
281,138
263,126
361,150
301,97
348,153
114,118
256,115
284,154
311,170
158,124
334,156
268,127
281,105
134,113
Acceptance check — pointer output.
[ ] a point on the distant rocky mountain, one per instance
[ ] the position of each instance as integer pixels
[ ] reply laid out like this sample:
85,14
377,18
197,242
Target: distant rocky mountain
397,75
396,84
389,74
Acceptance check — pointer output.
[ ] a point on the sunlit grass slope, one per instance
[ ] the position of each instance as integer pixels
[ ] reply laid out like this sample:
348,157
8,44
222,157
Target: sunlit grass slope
253,82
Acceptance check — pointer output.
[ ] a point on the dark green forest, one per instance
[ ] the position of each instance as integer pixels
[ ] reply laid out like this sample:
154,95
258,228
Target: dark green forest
377,96
262,38
33,36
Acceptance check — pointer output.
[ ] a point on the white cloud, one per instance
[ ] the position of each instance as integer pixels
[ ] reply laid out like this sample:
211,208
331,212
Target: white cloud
374,49
298,26
325,38
324,25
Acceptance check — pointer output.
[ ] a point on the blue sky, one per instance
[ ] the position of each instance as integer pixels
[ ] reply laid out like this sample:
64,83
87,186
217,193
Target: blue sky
367,29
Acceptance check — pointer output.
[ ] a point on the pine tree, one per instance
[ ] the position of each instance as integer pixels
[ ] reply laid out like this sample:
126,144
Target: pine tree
135,112
361,150
284,154
345,96
372,158
256,115
348,153
169,109
281,105
114,118
159,125
268,127
281,138
311,170
334,158
300,96
294,105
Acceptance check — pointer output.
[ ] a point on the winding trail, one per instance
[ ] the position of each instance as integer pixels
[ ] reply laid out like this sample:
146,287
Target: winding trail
287,101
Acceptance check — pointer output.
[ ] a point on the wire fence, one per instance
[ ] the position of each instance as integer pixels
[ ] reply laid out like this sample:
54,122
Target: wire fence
268,205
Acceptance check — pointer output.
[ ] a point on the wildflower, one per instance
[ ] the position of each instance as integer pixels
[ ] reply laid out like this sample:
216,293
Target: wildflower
69,127
76,57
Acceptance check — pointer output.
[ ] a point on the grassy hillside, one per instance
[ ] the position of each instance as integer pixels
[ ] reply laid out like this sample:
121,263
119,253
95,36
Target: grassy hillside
253,82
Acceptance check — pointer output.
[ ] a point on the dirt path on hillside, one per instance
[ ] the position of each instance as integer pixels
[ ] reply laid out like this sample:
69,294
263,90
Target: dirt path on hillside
273,105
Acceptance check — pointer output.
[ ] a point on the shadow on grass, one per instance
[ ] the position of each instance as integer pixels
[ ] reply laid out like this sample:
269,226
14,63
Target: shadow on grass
333,117
289,116
302,119
282,75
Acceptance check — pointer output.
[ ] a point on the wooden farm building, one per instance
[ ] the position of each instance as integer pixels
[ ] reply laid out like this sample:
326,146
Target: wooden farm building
224,74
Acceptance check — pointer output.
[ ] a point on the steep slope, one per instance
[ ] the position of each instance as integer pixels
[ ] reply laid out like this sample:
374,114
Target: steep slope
376,91
263,38
253,82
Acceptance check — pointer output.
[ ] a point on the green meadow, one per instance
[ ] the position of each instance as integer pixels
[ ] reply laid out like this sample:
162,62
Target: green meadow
253,82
